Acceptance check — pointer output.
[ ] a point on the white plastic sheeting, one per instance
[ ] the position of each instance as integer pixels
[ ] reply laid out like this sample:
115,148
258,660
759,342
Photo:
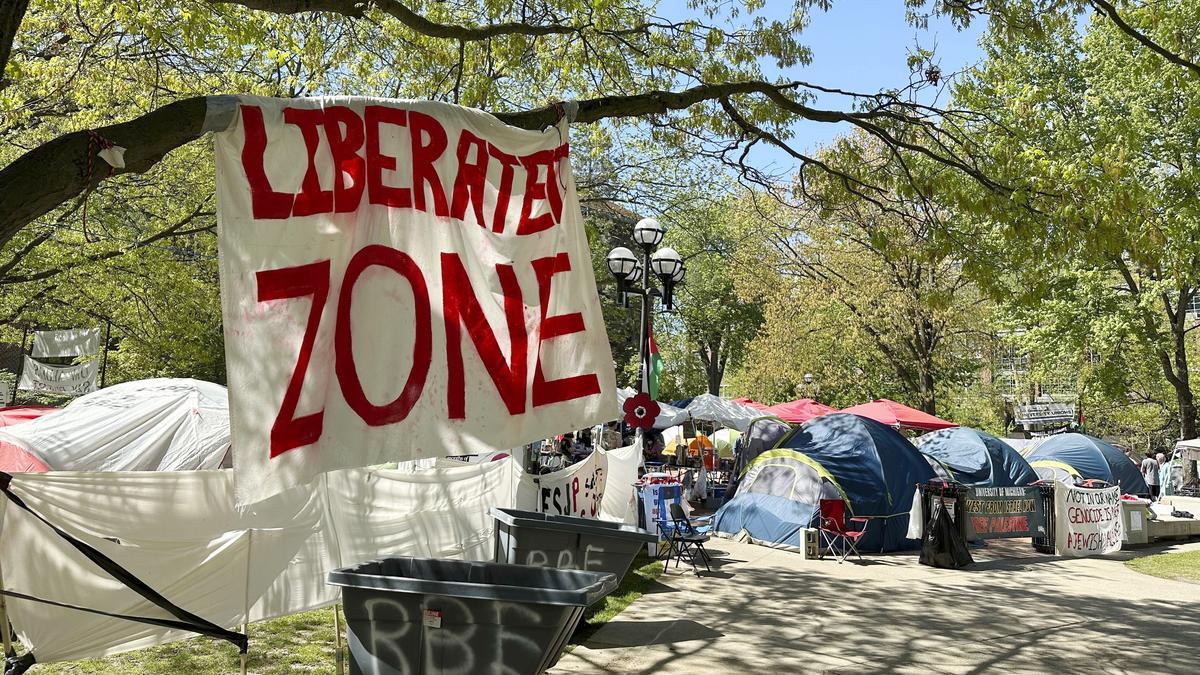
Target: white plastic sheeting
722,411
181,533
162,424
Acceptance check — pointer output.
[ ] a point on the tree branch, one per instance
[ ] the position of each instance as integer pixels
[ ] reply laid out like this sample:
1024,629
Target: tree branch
12,12
1106,8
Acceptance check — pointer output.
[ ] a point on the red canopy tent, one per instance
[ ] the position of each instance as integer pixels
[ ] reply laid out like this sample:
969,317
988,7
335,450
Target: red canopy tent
750,402
899,415
799,411
14,458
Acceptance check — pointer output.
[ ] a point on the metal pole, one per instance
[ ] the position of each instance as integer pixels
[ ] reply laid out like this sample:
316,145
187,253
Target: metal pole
104,358
8,647
244,655
20,364
644,340
337,631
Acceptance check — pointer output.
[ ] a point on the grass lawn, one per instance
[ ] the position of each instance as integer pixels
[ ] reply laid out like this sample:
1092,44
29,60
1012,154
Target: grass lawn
304,643
1177,566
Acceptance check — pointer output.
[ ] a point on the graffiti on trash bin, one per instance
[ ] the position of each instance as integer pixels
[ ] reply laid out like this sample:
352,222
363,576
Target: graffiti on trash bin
565,559
460,645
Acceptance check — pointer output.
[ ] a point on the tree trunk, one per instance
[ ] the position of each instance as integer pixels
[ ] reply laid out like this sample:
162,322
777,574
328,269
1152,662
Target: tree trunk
1183,395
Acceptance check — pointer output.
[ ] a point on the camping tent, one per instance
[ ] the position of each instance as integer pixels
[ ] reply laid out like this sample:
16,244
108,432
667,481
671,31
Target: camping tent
146,425
799,411
899,416
870,466
763,434
1071,457
724,412
977,458
668,415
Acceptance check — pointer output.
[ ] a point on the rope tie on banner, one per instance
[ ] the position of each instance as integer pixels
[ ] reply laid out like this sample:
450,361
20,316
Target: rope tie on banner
96,144
184,620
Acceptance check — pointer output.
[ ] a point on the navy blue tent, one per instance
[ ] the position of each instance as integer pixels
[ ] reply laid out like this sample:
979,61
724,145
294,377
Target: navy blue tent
867,464
977,458
1071,457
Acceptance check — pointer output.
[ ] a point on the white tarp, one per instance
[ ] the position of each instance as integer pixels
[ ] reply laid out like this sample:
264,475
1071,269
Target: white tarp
182,533
724,412
399,278
620,497
164,424
1087,522
66,380
70,342
668,416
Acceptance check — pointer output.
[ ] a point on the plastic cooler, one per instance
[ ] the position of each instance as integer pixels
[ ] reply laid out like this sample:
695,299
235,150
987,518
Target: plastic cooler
529,538
417,615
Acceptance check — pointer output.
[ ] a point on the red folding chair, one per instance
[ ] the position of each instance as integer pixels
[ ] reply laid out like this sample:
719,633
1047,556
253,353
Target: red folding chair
834,530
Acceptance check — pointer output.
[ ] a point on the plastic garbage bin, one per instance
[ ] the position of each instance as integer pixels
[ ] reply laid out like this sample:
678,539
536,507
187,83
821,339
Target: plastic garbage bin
417,615
529,538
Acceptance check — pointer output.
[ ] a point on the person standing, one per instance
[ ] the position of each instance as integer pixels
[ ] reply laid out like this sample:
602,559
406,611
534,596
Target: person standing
1150,473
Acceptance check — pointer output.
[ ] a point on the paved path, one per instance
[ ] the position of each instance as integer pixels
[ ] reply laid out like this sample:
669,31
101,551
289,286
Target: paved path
768,611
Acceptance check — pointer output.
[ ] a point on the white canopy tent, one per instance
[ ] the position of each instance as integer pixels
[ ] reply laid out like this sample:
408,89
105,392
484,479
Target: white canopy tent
163,424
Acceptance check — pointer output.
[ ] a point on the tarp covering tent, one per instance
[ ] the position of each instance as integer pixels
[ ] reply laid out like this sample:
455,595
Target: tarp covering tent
899,416
668,416
147,425
722,411
799,411
867,464
19,414
977,458
1070,457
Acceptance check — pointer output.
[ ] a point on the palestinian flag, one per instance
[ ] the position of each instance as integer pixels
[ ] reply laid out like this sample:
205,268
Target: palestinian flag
656,367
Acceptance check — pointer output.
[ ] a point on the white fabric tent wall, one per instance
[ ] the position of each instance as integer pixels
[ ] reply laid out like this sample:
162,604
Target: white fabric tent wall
164,424
181,533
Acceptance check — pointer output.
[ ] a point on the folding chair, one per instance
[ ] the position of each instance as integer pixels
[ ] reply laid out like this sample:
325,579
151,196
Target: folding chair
687,539
834,530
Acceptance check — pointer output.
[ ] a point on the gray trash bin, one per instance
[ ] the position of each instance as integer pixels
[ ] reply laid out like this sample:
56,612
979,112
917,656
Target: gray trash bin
529,538
423,616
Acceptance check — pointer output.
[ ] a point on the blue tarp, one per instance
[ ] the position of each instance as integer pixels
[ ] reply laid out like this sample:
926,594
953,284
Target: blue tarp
977,458
873,466
1094,459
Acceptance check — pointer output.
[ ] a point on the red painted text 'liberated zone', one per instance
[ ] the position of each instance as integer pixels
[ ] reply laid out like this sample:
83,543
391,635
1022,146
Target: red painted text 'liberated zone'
347,134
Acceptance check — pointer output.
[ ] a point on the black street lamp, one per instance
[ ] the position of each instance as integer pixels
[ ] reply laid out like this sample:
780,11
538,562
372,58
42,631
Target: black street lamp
632,279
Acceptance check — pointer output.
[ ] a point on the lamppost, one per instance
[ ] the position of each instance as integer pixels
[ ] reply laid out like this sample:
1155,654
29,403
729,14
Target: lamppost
630,272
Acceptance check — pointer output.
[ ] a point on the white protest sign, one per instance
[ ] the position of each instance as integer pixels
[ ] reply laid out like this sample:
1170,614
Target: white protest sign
70,380
1087,522
399,279
577,490
5,394
72,342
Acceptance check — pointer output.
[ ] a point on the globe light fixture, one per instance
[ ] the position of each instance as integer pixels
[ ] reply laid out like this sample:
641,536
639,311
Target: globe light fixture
621,262
648,233
665,262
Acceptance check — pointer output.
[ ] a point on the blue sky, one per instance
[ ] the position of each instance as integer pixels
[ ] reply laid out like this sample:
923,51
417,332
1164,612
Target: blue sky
862,45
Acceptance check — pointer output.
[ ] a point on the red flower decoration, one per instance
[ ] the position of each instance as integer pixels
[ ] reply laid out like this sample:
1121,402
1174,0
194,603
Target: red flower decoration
641,411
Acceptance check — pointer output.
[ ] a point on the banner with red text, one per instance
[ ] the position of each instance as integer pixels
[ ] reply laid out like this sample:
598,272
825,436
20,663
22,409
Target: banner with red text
399,279
1086,521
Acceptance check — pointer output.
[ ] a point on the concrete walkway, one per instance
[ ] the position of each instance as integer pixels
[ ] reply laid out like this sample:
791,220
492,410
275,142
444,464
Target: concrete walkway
769,611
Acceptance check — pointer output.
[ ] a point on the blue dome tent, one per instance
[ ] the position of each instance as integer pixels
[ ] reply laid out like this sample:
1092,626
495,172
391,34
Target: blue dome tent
1070,457
977,458
867,464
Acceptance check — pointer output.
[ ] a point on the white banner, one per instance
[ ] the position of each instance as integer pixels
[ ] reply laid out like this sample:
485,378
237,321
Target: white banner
5,394
577,490
1087,522
72,342
69,380
399,279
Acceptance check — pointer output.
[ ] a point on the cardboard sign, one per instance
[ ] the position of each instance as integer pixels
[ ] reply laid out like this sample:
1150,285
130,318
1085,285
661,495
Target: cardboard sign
1087,522
1003,512
67,380
398,279
577,490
